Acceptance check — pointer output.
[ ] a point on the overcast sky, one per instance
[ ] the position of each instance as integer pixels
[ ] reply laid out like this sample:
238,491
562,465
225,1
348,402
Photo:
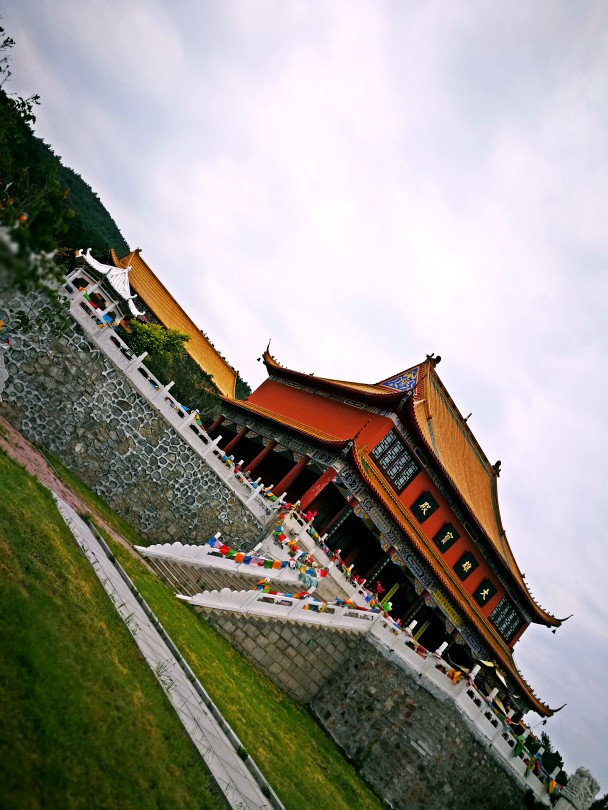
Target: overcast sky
365,183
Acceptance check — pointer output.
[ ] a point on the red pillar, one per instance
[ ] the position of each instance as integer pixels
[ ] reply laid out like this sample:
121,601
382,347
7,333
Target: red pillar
261,456
319,485
216,424
233,442
291,476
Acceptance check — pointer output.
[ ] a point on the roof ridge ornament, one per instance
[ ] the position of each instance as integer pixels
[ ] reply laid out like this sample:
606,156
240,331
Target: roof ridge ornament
434,361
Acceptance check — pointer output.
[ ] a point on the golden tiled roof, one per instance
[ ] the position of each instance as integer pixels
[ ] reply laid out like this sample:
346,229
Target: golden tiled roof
451,441
160,301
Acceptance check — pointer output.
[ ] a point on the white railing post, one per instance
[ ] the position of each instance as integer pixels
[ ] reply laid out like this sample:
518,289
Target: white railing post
104,335
108,308
162,392
88,290
73,274
255,595
135,362
296,606
252,497
211,447
189,420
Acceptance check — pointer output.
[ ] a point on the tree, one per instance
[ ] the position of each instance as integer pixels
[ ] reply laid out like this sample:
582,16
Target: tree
155,339
169,362
552,759
241,389
39,226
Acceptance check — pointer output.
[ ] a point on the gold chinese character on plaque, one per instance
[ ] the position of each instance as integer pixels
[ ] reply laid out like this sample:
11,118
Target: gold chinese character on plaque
466,566
425,507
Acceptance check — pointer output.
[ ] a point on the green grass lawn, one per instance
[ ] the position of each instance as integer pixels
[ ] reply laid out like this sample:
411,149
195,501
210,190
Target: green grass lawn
84,722
297,757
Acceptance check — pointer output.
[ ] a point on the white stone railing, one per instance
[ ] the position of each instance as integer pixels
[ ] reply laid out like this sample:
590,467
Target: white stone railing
395,642
296,528
207,557
105,338
283,606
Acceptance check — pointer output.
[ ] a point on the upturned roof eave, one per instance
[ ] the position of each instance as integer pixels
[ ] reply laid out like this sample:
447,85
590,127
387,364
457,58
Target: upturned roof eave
327,439
541,616
363,392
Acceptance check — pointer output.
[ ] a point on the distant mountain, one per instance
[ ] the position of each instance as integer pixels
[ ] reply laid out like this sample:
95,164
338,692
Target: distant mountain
91,226
57,207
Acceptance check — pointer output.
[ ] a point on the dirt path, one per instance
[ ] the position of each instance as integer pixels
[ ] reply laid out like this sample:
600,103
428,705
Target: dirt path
24,453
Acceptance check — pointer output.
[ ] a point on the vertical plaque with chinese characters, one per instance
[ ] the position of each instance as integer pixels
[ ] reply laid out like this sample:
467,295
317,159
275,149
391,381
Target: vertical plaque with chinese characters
446,537
395,461
424,506
506,619
484,592
466,565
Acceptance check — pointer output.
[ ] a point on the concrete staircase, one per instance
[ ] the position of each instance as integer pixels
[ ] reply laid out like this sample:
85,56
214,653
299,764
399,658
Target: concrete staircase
190,569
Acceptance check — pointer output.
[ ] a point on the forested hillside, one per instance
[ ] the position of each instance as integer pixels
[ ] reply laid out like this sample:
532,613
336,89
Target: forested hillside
91,226
46,209
56,207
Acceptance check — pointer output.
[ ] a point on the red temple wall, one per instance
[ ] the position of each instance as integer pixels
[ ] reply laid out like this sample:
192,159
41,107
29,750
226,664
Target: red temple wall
429,528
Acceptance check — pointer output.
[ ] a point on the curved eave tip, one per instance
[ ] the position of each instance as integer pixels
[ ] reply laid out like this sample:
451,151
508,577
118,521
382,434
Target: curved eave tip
555,711
555,622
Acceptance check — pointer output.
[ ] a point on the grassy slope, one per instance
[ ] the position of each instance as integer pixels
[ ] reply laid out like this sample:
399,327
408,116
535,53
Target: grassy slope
297,757
84,723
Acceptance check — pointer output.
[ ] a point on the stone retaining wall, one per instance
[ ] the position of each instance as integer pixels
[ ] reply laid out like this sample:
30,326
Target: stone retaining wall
65,394
298,658
410,745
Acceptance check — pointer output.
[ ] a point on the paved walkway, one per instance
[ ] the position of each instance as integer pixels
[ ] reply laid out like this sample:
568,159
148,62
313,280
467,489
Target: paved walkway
217,750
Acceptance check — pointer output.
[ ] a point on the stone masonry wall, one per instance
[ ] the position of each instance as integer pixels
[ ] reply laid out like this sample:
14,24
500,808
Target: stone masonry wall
65,394
410,745
298,658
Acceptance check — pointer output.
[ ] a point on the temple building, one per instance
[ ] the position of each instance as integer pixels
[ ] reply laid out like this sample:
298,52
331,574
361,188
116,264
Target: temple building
159,301
404,492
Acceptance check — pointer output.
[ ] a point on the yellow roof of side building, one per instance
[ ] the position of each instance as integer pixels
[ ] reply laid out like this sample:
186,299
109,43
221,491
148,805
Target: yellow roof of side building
160,301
